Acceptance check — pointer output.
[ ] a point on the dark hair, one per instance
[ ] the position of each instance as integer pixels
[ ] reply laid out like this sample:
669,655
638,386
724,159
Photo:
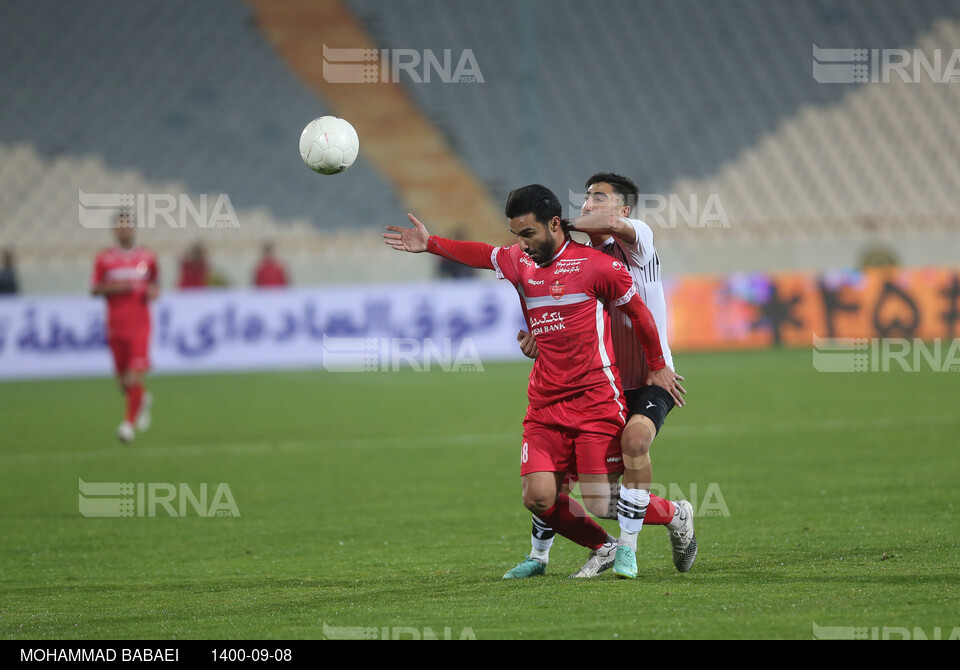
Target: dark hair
534,199
623,186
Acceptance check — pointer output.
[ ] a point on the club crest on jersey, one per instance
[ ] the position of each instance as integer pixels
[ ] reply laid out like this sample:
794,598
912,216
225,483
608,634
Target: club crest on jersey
556,290
617,265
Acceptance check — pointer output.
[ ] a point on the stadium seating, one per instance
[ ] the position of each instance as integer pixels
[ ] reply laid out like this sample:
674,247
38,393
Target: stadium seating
691,99
707,98
163,97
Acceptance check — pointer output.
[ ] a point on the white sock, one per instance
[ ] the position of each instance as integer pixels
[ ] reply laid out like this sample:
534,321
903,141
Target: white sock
631,508
542,552
541,539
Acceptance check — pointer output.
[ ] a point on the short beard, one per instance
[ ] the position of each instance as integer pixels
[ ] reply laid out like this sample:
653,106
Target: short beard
548,251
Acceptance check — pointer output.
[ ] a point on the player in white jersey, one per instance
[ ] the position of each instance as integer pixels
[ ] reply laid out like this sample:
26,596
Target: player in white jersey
609,201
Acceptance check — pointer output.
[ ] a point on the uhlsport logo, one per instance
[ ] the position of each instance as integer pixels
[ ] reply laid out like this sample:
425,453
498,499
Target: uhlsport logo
98,210
124,499
885,354
881,66
372,66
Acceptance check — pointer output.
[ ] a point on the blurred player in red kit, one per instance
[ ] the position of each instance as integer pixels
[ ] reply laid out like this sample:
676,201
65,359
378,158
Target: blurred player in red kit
270,271
126,275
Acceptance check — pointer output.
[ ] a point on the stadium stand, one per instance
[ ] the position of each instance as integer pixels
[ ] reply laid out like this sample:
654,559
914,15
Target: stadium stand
166,98
692,99
708,98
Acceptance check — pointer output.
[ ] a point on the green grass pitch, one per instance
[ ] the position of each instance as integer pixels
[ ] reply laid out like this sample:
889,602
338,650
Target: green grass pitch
392,501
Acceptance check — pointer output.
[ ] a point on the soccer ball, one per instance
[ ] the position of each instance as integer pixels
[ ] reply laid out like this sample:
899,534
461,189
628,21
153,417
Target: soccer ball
329,145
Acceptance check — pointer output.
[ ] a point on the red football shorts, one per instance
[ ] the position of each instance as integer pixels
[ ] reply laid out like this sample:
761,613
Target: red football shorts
580,434
131,350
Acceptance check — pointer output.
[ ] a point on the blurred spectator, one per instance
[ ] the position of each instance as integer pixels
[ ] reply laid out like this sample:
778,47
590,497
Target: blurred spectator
217,279
878,256
8,273
194,272
270,271
448,269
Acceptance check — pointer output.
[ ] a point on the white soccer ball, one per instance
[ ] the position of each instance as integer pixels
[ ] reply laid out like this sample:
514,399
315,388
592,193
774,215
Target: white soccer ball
329,145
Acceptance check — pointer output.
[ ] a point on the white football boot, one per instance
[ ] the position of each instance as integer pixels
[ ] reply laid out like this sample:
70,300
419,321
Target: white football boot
125,432
682,538
600,559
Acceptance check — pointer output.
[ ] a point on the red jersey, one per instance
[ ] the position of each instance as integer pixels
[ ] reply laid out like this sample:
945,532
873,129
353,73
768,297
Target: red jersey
126,311
270,273
193,274
564,306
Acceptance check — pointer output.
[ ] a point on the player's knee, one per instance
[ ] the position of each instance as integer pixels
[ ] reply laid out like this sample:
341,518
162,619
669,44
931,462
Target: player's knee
539,502
636,444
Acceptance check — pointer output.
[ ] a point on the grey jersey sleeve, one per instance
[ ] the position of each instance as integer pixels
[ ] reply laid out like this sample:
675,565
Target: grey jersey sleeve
640,252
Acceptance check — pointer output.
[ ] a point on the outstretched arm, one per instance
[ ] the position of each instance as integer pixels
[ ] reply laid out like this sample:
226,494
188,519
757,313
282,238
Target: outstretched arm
416,240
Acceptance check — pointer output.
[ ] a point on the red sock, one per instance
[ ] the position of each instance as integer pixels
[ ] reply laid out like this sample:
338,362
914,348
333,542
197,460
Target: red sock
568,518
659,511
134,398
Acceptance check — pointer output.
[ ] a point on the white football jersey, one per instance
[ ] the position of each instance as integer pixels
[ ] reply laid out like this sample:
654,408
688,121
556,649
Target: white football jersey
642,261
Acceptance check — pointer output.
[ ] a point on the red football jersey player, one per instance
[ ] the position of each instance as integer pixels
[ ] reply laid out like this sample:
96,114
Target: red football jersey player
270,271
126,275
576,413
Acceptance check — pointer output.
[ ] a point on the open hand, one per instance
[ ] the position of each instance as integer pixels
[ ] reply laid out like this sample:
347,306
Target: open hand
669,381
413,240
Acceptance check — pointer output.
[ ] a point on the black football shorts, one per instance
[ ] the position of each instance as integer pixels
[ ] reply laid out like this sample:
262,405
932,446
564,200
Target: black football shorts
652,402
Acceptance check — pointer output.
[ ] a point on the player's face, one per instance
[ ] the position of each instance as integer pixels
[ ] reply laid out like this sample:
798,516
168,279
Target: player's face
602,199
535,239
123,232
